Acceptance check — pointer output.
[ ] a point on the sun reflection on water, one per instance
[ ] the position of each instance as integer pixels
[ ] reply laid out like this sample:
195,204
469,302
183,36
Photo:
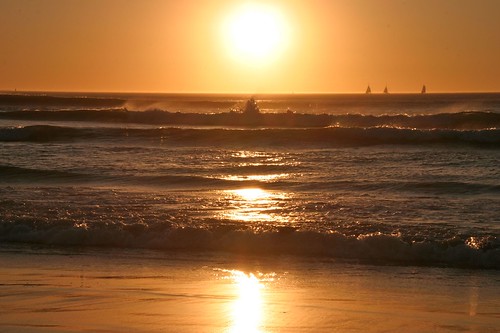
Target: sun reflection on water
254,205
247,309
261,178
252,194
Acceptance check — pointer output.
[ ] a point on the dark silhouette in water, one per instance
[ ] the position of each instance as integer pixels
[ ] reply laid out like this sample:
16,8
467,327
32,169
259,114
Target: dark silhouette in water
112,110
251,107
461,120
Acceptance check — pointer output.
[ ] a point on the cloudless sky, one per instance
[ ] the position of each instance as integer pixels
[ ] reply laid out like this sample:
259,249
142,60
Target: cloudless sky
178,46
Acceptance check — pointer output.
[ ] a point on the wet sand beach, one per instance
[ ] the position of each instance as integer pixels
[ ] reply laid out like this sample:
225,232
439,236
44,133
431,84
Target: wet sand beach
53,290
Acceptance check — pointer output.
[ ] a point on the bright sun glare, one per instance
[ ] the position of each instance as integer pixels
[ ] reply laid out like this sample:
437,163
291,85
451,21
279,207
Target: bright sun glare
252,194
255,33
247,310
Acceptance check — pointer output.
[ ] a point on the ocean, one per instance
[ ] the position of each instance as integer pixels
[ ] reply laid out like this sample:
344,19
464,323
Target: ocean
389,196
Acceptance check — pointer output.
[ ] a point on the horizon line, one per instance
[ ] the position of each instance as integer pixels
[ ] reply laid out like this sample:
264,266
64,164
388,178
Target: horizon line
103,92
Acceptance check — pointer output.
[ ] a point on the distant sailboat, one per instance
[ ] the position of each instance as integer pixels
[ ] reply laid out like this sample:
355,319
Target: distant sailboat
368,90
424,89
386,91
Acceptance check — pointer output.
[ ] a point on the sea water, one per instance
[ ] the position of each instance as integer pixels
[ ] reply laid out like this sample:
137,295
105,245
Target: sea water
332,183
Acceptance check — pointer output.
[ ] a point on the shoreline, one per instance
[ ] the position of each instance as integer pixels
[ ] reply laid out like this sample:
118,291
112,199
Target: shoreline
145,291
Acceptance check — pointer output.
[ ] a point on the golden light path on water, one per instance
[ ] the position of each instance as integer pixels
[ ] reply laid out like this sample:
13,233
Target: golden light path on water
246,312
262,178
247,309
254,205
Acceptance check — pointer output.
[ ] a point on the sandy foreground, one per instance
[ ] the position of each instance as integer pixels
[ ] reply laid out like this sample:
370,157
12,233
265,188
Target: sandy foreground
102,290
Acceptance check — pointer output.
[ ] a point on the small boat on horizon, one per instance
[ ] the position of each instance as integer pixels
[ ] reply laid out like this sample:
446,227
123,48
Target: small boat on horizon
386,91
424,89
368,90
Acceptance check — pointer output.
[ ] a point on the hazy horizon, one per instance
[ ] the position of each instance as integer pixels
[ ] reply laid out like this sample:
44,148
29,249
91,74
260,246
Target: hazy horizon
239,93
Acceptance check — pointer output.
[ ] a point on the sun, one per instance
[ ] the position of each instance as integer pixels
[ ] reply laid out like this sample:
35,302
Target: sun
255,33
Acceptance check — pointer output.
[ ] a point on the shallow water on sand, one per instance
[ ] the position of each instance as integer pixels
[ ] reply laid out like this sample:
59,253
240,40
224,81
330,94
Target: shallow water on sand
55,290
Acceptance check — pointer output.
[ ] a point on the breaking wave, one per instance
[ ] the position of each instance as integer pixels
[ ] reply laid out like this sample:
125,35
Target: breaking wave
331,136
376,248
453,121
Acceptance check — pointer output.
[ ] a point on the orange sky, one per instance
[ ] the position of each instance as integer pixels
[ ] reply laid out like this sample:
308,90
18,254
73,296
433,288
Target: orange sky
333,46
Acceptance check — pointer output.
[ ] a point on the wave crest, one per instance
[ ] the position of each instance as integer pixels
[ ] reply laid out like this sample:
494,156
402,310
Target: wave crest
377,248
332,136
452,121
